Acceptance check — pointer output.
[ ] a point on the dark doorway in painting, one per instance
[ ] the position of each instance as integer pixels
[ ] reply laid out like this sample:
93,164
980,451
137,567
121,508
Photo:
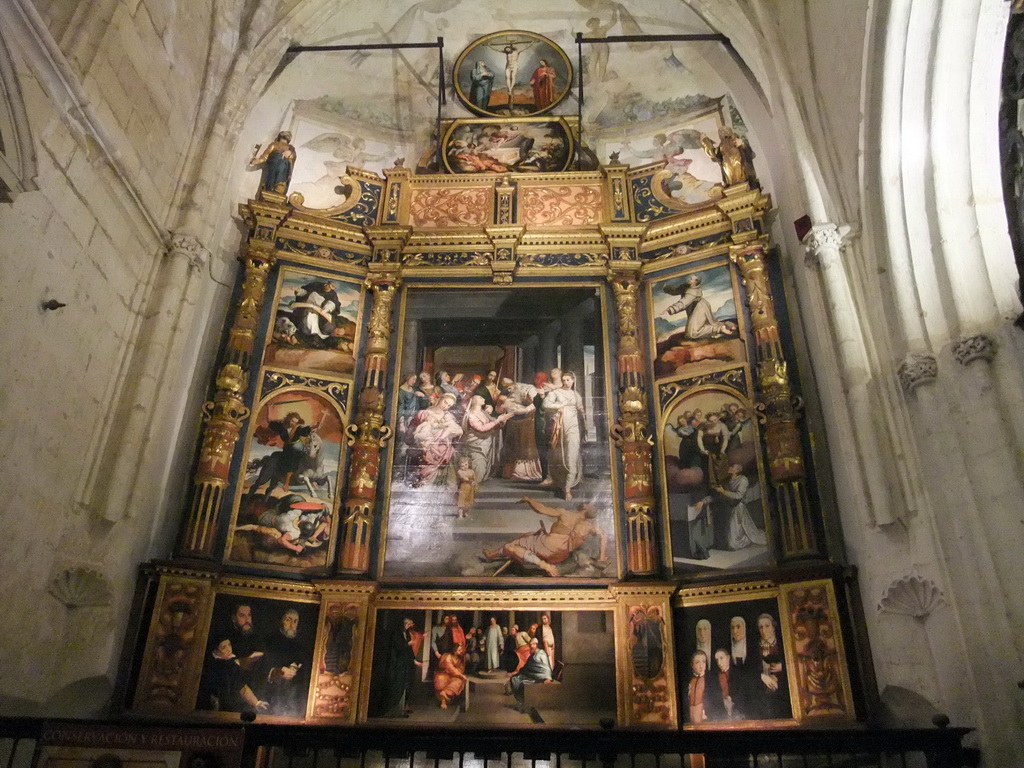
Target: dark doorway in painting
501,463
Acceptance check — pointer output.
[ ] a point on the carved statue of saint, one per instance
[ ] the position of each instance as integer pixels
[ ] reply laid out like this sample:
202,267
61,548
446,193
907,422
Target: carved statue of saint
277,160
731,153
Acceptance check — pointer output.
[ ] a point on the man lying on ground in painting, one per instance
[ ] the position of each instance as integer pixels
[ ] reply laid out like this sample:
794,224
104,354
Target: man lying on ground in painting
697,686
222,687
450,678
547,549
537,669
294,524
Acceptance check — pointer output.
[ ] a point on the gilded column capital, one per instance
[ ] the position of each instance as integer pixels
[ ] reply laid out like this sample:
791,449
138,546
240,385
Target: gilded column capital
976,347
917,370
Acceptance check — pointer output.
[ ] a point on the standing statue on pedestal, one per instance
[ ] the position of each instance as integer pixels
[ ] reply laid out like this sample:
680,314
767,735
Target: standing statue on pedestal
732,153
277,160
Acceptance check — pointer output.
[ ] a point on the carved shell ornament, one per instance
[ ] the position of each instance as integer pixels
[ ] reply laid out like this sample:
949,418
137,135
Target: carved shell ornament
81,588
912,595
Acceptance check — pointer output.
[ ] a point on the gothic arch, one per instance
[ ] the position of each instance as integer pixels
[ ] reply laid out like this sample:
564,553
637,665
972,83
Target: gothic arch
17,153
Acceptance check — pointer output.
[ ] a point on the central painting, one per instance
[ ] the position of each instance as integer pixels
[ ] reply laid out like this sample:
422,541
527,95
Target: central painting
500,464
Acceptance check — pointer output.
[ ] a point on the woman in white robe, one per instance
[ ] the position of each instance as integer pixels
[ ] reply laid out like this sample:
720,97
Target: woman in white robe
563,408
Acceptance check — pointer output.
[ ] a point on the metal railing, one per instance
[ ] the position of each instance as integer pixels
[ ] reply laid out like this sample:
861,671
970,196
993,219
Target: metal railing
311,746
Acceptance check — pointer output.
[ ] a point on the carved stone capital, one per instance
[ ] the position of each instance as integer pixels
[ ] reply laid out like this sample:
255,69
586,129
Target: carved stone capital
184,244
971,348
916,370
823,241
911,595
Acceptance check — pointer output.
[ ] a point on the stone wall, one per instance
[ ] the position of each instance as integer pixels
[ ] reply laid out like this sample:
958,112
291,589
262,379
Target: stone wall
110,125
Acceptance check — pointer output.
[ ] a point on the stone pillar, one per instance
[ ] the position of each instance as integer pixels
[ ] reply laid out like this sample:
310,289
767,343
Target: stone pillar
157,347
824,249
631,432
224,415
778,410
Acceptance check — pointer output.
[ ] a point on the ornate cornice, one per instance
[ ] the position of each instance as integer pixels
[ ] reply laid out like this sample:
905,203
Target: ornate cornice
916,370
971,348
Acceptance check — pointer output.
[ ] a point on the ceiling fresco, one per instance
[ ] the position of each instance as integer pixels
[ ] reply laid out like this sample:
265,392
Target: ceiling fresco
647,101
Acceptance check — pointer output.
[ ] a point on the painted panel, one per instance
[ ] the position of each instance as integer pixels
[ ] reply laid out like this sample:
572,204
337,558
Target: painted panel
493,667
314,325
733,667
500,465
286,506
512,73
697,322
500,146
259,654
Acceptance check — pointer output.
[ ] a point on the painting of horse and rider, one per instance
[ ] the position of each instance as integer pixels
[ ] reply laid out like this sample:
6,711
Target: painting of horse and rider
288,497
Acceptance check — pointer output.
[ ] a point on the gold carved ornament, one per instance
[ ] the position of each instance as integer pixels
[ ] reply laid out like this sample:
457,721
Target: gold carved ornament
630,433
368,433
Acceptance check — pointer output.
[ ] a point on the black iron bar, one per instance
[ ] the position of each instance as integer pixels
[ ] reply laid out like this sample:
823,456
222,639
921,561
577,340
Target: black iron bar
709,38
361,47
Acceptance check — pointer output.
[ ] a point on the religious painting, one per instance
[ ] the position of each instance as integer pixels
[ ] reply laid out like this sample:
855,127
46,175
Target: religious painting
543,145
500,465
819,667
690,178
512,74
288,495
259,655
697,322
493,667
715,492
734,669
314,325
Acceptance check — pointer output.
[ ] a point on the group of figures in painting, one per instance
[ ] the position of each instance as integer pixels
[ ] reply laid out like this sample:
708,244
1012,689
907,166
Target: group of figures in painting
258,658
736,677
457,431
480,664
512,73
479,146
